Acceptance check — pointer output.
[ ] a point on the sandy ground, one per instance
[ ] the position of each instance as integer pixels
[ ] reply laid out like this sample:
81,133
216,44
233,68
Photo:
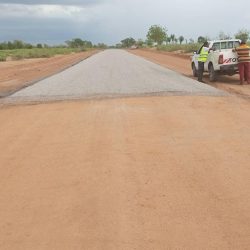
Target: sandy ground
15,75
134,173
130,173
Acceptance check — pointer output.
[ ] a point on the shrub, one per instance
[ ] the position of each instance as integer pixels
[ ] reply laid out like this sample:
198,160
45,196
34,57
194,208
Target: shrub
19,54
185,48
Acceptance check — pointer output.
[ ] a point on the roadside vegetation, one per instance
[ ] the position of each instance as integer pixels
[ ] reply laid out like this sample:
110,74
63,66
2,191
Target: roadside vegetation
17,50
18,54
158,38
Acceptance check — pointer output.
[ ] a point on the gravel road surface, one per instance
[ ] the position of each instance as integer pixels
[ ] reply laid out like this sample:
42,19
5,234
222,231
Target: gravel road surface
113,73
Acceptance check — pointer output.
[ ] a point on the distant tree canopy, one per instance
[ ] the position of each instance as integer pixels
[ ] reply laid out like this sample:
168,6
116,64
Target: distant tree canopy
201,39
243,35
191,40
102,46
74,43
149,42
168,39
172,38
157,34
223,36
79,43
140,42
181,39
16,44
128,42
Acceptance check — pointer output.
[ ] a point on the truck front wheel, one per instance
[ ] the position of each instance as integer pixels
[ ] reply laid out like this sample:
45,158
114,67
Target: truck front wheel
212,73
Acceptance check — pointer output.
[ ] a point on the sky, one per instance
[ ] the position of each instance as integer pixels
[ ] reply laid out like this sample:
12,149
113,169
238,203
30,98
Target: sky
110,21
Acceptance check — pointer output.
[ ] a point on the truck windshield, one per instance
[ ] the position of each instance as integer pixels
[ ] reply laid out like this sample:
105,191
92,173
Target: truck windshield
225,45
216,46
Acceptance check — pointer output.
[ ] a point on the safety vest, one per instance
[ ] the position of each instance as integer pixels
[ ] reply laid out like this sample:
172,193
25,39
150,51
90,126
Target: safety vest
203,55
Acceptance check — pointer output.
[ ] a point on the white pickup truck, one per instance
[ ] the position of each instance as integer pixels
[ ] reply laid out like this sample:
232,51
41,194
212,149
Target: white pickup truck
221,59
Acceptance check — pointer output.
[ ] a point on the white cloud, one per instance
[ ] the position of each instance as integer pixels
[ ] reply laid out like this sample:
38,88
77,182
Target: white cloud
113,20
40,11
53,2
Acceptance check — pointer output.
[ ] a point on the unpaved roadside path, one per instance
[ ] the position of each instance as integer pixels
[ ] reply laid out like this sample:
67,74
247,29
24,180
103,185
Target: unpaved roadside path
182,64
15,75
136,173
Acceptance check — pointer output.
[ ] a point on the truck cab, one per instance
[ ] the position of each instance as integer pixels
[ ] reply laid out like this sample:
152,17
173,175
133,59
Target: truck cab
222,59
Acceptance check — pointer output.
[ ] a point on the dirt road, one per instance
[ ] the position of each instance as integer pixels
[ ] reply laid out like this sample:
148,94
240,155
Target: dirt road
166,172
15,75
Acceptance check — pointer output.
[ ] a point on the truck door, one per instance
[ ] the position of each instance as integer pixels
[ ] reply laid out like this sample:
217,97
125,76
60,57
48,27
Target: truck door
196,56
210,56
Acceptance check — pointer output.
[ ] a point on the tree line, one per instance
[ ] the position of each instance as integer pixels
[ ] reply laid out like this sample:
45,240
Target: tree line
157,35
74,43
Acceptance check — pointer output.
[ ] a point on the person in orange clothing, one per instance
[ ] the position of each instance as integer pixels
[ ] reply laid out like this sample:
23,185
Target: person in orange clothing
243,52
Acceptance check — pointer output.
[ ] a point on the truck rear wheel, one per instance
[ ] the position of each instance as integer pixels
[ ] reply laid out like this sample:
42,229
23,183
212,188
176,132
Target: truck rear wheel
195,73
212,73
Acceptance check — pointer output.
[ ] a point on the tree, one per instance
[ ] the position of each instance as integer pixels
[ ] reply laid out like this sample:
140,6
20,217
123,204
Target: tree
140,43
10,45
128,42
191,40
28,46
17,44
242,34
201,39
118,45
75,43
102,46
87,44
79,43
172,37
168,39
157,34
149,42
223,36
39,46
181,39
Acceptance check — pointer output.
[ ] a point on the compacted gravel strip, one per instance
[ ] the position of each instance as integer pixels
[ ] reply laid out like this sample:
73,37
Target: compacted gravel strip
113,73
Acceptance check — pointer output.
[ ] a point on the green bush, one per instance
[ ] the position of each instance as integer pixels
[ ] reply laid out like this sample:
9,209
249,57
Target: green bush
185,48
2,58
19,54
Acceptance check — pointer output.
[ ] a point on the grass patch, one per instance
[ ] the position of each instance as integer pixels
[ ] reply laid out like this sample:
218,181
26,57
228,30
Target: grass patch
2,58
185,48
19,54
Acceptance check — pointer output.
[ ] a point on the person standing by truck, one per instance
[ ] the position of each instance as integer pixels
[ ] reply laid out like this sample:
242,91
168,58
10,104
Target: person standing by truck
201,60
243,52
